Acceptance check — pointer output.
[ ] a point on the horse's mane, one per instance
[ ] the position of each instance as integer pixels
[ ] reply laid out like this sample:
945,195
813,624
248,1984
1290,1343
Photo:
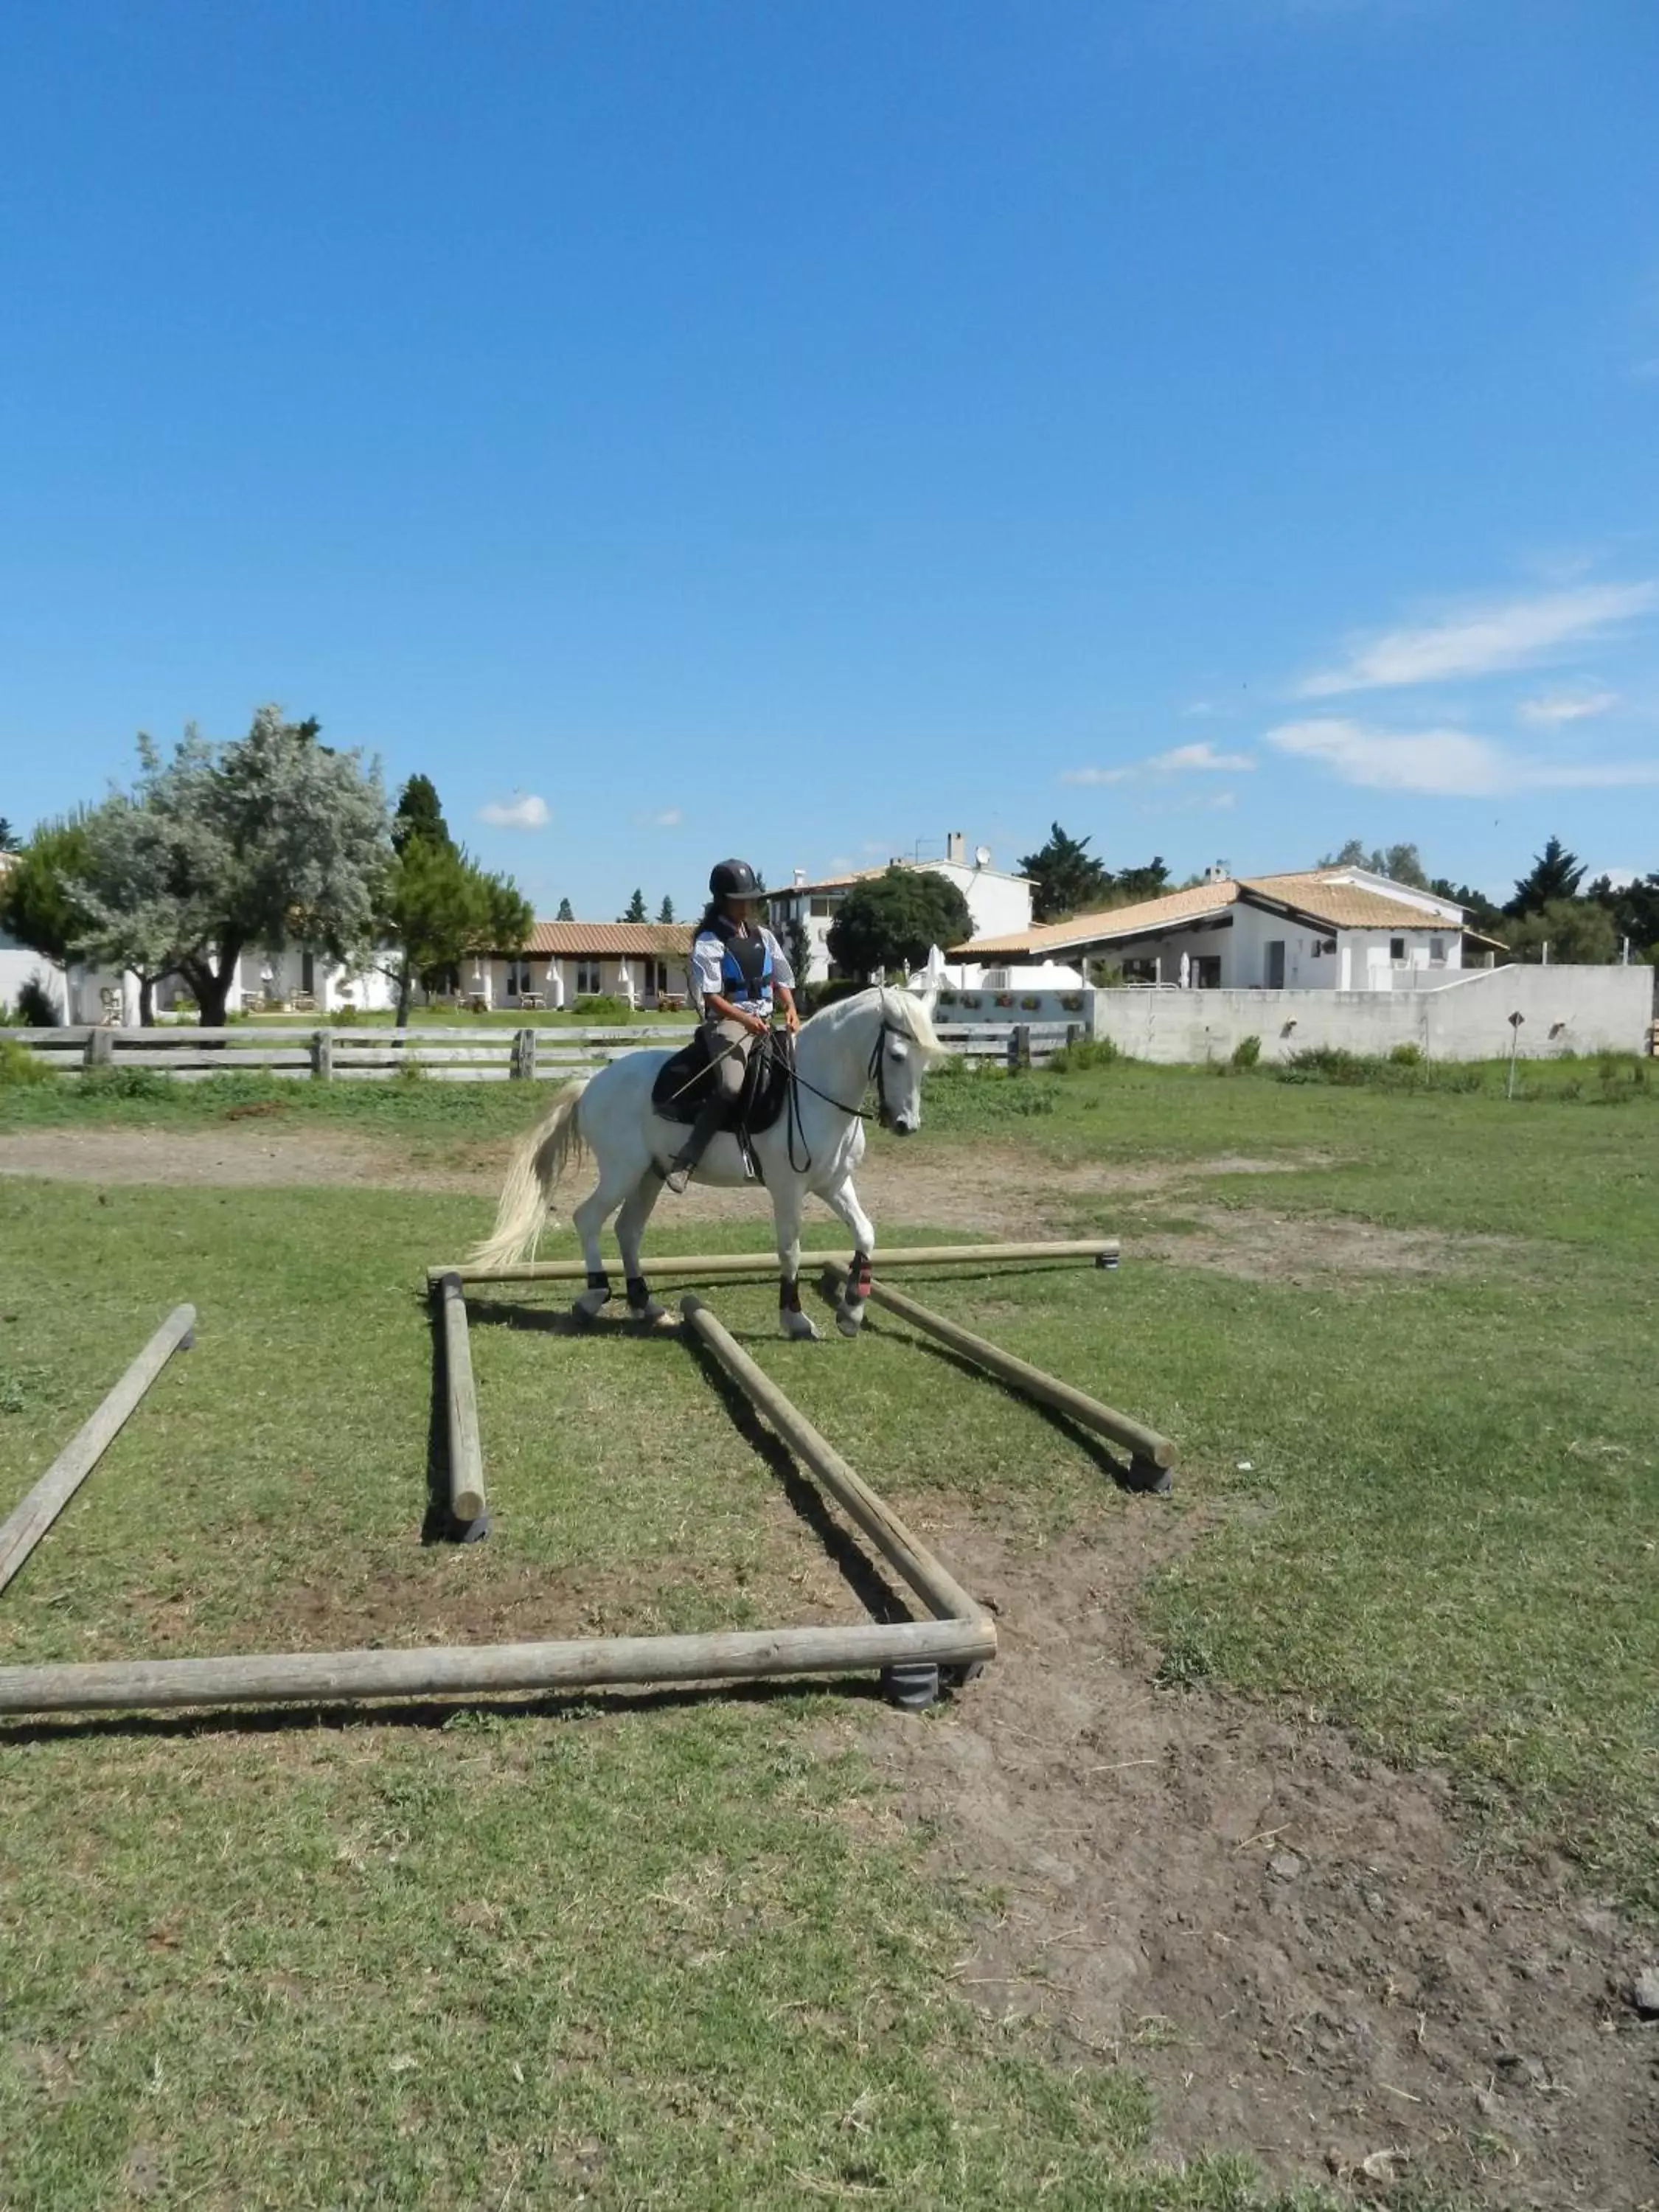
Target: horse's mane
902,1008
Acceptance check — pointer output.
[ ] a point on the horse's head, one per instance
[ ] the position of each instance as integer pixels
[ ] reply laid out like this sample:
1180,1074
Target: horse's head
906,1045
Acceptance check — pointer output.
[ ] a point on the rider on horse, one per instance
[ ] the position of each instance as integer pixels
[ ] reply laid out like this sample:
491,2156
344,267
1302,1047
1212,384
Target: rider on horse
738,970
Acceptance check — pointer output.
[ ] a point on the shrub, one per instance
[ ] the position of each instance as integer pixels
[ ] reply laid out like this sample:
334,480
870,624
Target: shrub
128,1083
19,1065
604,1006
36,1007
345,1015
1086,1052
1246,1053
1407,1055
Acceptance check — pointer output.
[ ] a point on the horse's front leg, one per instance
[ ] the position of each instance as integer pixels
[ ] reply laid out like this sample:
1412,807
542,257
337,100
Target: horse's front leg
843,1203
785,1215
630,1229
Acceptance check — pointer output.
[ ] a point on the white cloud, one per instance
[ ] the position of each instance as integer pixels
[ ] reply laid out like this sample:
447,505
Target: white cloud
1183,760
1180,760
1617,877
1567,707
527,811
1483,640
663,818
1448,764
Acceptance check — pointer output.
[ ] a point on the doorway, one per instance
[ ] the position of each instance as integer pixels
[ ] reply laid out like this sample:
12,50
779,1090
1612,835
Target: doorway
1276,963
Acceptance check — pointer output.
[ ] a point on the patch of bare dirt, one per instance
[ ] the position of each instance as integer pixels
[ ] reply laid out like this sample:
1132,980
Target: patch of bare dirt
1290,1940
990,1189
236,1155
1309,1250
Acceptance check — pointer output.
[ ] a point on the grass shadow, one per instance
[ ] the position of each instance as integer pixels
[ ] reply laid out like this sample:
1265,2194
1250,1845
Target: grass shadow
868,1584
591,1704
1118,1466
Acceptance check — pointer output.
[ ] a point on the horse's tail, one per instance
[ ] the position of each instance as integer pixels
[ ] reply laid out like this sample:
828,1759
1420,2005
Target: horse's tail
541,1159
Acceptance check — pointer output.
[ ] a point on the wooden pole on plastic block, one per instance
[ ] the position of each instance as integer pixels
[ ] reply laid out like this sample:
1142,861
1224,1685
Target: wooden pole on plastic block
23,1529
1143,1443
354,1677
1103,1250
466,1482
938,1591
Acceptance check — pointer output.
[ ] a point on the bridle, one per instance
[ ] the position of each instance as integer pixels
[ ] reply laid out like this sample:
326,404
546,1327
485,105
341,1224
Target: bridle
876,1073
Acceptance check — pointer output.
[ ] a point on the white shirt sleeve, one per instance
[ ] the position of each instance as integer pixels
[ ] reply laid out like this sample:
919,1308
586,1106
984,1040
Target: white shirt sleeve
706,958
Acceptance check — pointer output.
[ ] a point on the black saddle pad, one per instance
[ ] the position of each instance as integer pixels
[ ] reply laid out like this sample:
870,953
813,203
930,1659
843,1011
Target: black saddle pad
684,1082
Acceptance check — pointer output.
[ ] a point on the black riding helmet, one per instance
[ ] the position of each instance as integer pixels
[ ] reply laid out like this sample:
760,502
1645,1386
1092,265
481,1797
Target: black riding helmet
733,879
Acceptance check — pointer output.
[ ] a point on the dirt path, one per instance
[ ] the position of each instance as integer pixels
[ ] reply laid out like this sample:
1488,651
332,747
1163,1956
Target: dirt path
1290,1939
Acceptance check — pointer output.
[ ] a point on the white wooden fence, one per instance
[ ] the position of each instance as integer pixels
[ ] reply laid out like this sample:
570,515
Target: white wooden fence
447,1054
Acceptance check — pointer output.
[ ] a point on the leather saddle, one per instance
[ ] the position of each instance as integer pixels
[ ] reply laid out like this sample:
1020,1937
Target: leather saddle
685,1083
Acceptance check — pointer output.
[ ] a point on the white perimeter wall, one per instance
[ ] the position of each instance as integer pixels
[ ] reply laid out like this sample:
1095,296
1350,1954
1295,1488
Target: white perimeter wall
1563,1009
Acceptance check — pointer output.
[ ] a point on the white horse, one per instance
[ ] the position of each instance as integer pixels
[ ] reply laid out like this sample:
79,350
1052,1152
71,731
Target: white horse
882,1036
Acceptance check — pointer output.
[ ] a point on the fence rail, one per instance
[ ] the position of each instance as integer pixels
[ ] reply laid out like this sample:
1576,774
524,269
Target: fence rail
446,1055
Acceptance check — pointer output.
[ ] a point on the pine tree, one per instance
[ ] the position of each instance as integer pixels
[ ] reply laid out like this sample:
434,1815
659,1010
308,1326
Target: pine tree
636,907
8,837
420,815
666,912
1065,877
1555,873
566,913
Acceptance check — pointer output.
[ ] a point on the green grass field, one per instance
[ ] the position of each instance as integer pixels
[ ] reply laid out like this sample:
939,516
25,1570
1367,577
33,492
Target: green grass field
655,1951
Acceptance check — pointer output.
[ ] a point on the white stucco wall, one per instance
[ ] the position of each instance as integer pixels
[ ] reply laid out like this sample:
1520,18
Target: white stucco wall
1464,1018
998,905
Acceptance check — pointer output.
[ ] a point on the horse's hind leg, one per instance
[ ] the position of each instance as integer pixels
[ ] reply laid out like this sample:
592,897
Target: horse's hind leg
843,1203
615,1183
630,1229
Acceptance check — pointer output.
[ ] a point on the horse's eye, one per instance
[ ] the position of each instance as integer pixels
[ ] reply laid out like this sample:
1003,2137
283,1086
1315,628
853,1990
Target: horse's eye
898,1048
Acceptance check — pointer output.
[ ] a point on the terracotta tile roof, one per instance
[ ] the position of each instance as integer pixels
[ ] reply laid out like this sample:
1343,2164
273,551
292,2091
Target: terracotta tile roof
1343,906
1309,892
611,939
1109,923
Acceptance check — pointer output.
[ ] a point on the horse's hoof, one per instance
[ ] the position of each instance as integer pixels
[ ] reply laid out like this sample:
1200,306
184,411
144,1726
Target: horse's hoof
590,1304
850,1320
799,1325
651,1314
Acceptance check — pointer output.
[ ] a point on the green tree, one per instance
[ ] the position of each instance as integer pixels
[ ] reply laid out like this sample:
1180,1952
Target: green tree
39,904
268,840
1402,864
1555,874
1635,909
567,912
8,837
891,920
1065,877
420,815
1478,911
798,946
435,908
1130,885
1578,932
665,911
636,907
128,891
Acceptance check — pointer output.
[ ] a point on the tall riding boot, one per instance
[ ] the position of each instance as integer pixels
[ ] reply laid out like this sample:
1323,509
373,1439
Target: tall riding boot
709,1118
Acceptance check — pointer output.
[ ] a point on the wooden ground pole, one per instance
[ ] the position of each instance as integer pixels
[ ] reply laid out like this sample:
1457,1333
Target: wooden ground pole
466,1482
1153,1452
903,1551
323,1677
22,1530
1102,1250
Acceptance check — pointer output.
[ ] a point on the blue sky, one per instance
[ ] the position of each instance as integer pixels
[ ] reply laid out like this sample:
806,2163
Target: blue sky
1227,426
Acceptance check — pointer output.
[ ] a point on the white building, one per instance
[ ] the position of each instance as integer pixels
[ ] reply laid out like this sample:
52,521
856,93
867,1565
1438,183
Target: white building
998,904
1336,929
